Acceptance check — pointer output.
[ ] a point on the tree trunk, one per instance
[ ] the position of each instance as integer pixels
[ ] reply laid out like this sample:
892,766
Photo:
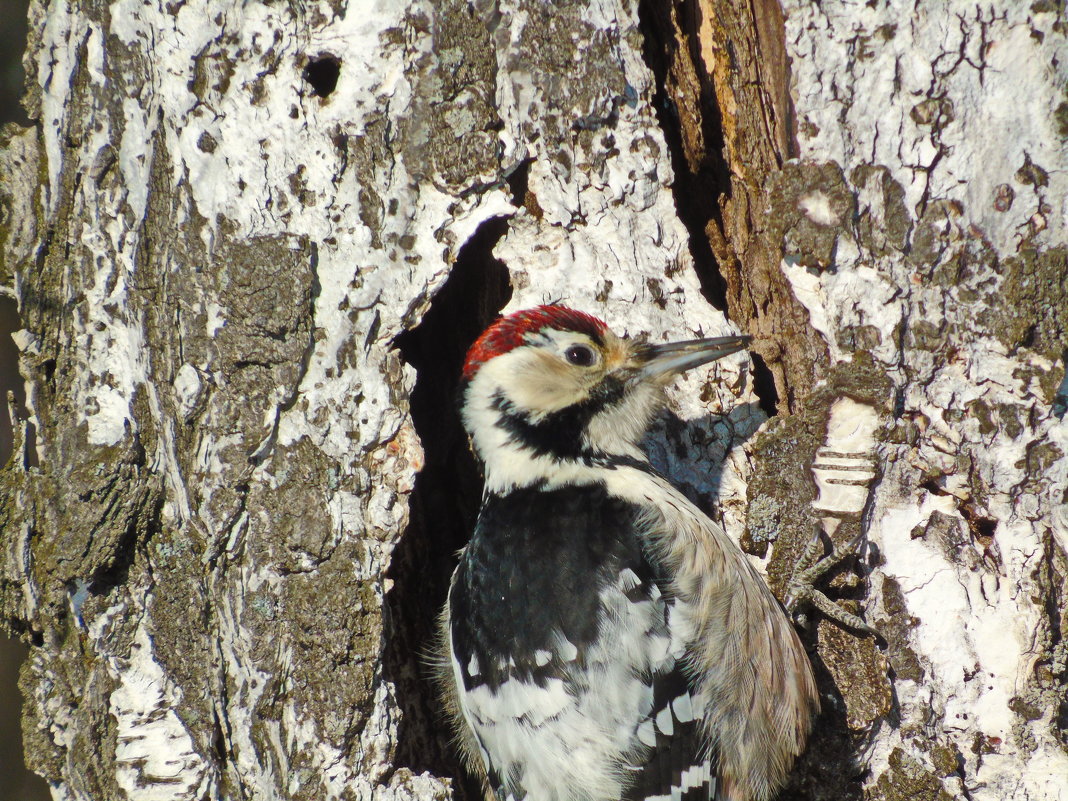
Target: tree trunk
250,244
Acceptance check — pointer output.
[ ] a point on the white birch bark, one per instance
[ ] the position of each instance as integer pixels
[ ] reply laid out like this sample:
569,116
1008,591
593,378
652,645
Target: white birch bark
213,264
218,502
939,247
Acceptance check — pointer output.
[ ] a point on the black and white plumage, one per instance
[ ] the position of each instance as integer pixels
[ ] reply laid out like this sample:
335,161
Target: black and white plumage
603,639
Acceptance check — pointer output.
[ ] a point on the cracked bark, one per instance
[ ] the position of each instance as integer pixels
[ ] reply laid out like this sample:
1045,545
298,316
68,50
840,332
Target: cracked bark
250,247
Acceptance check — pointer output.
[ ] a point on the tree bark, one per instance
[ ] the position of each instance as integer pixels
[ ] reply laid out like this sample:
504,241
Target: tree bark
251,243
894,233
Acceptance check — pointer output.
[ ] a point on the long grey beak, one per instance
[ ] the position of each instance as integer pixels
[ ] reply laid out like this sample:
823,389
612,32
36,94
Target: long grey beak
667,361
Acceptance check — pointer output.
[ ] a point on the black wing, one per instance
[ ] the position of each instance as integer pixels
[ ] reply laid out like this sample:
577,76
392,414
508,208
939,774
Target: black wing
680,767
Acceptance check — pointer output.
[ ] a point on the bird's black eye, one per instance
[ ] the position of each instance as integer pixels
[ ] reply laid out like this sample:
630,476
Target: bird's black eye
581,355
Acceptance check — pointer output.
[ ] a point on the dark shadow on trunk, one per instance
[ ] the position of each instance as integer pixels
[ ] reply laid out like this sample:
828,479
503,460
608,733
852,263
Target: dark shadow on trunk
445,500
701,174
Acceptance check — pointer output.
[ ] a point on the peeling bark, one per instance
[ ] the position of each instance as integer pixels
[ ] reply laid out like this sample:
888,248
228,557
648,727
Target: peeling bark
250,244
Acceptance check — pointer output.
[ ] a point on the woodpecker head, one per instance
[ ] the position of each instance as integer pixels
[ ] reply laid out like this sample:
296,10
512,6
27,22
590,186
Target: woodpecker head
551,385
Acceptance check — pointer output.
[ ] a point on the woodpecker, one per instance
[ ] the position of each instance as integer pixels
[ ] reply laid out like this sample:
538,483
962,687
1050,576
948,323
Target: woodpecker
603,639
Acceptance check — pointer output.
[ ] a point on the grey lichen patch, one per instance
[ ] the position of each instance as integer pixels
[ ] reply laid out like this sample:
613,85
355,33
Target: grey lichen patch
859,672
895,625
1043,695
365,153
908,780
780,491
336,621
213,69
569,114
249,345
861,337
19,188
266,285
70,681
450,136
1029,308
104,501
1031,174
884,222
1060,114
923,335
929,242
810,204
946,759
180,611
1039,458
293,528
984,413
936,112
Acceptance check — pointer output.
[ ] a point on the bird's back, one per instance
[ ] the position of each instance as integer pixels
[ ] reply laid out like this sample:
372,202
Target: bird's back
569,653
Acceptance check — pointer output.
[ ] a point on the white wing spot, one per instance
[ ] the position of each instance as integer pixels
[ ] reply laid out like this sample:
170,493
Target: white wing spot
628,579
664,722
659,647
695,776
567,650
542,657
472,667
683,708
646,735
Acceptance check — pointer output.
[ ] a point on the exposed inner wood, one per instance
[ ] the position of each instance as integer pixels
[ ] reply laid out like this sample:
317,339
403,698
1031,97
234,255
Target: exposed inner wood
725,72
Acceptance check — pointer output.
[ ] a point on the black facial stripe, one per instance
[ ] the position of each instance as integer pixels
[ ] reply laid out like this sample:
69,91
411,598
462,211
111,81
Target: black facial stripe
560,433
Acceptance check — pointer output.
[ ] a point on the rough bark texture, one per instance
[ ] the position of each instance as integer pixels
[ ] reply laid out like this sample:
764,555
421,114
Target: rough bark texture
909,264
250,244
222,236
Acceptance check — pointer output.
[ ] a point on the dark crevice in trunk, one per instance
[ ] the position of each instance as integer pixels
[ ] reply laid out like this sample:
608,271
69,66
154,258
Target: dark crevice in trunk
445,501
688,111
518,183
697,186
10,381
764,385
20,783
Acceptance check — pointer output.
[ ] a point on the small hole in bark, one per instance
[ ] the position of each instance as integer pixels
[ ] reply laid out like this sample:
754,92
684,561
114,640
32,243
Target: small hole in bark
984,527
445,500
931,485
322,73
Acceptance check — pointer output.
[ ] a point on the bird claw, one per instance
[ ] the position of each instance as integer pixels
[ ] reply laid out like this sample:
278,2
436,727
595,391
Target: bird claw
803,592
